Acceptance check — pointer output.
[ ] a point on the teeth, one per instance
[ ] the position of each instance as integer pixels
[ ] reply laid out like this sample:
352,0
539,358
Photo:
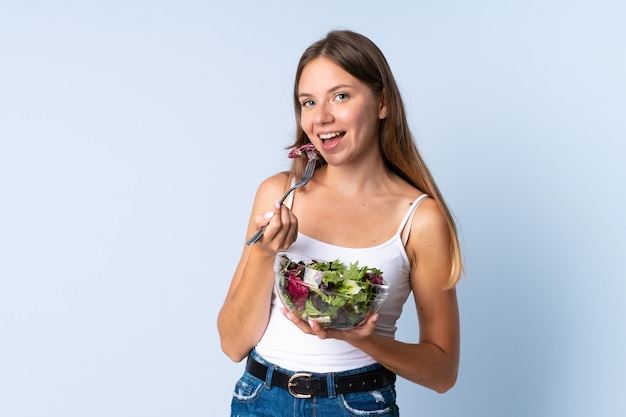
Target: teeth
325,136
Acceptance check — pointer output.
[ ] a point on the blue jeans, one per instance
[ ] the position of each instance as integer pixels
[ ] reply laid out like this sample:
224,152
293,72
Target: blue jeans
254,397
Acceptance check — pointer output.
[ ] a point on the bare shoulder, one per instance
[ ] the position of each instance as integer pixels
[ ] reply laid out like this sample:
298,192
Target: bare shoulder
430,234
429,217
276,181
271,188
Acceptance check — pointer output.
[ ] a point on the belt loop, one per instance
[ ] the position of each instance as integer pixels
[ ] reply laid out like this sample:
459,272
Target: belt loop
268,376
330,385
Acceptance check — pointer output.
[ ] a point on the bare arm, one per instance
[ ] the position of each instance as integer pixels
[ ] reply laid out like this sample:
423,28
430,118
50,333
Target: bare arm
434,361
245,312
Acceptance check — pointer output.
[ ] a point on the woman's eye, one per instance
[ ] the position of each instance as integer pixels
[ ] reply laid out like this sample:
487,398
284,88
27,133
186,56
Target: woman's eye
341,96
307,103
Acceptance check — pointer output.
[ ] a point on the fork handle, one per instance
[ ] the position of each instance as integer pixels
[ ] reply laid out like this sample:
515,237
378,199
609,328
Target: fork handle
284,197
255,237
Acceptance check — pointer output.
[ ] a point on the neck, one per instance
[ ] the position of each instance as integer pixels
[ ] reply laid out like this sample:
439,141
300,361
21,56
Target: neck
356,179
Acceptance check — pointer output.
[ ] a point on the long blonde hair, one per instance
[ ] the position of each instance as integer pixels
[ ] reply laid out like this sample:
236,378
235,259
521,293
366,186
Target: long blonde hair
361,58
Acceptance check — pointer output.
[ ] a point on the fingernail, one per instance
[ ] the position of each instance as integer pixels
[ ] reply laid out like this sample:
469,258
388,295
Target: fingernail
268,215
311,322
286,314
277,204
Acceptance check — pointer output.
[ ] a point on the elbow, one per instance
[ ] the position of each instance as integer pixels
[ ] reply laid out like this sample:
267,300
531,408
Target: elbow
235,353
448,373
445,384
235,356
443,388
230,345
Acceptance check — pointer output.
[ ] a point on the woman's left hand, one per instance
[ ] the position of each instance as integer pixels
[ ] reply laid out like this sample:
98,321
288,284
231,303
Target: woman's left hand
352,335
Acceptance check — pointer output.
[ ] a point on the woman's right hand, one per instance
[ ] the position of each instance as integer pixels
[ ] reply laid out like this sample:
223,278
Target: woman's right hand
281,228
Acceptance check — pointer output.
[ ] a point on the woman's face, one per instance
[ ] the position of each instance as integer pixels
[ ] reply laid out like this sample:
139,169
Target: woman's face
339,113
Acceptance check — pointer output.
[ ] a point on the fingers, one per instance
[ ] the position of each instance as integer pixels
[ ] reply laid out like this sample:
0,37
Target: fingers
321,331
368,326
281,228
268,216
301,324
314,328
308,327
264,220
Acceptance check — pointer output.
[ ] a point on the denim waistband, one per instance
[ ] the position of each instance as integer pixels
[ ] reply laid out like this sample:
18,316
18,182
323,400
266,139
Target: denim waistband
303,384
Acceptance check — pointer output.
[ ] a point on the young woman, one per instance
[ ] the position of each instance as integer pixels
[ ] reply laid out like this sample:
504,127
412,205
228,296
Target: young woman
371,199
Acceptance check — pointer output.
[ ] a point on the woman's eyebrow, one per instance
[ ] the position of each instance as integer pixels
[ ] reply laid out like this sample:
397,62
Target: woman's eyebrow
330,90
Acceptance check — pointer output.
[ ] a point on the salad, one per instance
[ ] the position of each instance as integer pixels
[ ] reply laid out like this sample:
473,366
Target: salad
307,151
332,293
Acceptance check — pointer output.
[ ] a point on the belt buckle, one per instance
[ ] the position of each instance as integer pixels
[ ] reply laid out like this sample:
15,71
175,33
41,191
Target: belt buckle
292,384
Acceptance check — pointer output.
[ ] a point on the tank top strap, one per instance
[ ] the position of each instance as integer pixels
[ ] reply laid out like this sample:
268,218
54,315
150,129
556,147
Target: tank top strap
405,226
289,201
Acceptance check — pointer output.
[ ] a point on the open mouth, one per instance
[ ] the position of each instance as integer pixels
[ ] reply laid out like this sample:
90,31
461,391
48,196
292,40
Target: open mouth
330,136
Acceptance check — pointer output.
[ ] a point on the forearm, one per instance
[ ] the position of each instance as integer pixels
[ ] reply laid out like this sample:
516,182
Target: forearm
245,313
424,363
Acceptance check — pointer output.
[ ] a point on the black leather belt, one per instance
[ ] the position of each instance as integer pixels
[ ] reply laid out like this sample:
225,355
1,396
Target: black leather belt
305,385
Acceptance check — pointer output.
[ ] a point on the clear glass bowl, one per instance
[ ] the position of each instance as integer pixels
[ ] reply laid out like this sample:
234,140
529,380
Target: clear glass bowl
322,296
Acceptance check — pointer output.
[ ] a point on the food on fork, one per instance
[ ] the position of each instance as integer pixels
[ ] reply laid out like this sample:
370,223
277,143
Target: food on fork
307,151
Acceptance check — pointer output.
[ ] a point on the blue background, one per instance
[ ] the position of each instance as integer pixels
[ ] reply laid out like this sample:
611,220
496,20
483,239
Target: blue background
133,135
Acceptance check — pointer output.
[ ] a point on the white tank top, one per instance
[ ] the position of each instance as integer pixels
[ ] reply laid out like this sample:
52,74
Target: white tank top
285,345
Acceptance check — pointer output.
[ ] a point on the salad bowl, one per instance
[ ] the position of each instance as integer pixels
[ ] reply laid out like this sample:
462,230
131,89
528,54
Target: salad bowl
335,295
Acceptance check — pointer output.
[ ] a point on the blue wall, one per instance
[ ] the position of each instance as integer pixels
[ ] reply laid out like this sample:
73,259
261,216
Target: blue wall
124,193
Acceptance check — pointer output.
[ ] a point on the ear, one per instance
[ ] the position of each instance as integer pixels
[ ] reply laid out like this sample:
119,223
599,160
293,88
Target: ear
382,109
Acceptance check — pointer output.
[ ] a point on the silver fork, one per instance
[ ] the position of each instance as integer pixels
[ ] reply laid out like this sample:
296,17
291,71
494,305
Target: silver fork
306,177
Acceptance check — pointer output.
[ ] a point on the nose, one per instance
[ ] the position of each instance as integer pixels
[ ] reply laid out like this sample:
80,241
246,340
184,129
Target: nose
323,114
